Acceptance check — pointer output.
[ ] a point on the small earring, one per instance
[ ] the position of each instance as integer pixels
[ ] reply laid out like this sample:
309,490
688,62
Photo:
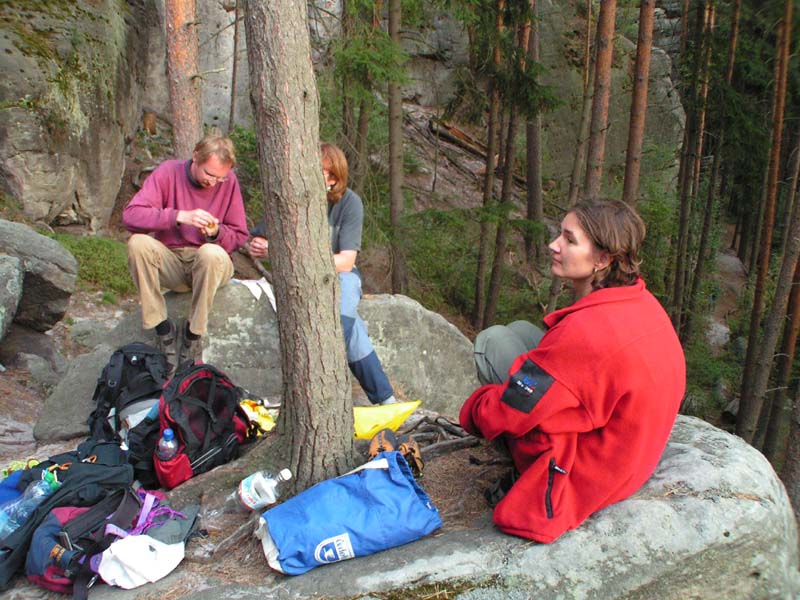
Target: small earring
595,271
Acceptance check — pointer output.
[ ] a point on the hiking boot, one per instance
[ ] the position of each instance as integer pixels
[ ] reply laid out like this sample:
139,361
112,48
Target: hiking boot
168,344
191,350
390,400
383,441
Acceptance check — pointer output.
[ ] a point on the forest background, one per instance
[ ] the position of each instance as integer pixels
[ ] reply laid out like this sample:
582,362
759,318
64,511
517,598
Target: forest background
736,184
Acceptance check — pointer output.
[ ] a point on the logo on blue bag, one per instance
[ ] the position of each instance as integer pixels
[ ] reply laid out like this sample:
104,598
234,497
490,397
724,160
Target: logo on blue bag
334,549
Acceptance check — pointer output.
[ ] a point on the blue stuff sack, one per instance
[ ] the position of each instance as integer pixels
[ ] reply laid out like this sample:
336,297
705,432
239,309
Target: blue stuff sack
375,507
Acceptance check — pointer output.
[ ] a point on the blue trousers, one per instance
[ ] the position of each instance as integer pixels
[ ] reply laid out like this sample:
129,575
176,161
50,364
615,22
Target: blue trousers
364,363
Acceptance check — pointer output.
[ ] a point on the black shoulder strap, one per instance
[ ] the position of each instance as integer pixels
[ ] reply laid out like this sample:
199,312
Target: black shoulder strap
126,510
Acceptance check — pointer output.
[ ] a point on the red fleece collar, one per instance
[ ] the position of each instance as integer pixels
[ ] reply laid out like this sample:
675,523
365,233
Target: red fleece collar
613,294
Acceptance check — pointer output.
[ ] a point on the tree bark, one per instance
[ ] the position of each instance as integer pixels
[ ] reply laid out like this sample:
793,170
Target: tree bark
488,180
183,76
779,410
399,282
790,473
533,142
582,143
234,65
633,157
685,177
602,93
759,359
316,417
708,45
791,187
710,209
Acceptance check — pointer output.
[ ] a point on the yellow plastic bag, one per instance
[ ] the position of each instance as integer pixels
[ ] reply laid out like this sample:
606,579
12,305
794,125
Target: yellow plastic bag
369,420
258,413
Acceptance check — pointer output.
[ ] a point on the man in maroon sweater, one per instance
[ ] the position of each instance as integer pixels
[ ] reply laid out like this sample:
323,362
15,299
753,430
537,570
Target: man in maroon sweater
195,213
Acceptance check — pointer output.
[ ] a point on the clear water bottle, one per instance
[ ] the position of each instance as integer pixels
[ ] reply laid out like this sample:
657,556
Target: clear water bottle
15,512
262,488
167,445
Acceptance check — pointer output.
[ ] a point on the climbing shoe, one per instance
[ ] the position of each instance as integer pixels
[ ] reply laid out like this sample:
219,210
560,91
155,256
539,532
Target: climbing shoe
409,448
383,441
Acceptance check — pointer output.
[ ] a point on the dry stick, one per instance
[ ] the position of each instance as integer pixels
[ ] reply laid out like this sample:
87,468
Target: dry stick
448,446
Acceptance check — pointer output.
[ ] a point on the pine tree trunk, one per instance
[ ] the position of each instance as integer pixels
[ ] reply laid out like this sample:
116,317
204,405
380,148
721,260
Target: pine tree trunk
234,65
602,93
780,409
183,75
533,154
399,283
790,473
685,178
316,416
708,44
495,282
488,182
791,188
633,157
759,356
710,209
582,143
358,173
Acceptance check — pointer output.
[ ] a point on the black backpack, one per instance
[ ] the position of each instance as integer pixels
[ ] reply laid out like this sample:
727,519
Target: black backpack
130,382
87,474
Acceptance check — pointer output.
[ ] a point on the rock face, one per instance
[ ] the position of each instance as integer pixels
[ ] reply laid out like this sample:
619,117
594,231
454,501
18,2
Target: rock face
10,290
49,277
69,99
418,348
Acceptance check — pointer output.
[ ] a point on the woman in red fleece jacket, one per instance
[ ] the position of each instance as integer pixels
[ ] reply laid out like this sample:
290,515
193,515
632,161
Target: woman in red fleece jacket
587,412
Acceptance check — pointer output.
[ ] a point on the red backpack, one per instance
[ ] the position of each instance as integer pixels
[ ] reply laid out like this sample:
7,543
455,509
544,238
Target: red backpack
201,406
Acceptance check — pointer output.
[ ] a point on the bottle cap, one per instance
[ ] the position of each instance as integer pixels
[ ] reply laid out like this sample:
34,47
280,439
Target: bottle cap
169,434
285,474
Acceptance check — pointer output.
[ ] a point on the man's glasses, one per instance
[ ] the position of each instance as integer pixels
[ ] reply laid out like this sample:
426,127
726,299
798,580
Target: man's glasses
214,177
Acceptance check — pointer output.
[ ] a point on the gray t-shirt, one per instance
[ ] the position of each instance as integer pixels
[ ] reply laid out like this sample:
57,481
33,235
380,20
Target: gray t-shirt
346,219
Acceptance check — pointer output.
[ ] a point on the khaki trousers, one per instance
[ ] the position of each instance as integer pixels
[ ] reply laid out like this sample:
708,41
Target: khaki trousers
154,268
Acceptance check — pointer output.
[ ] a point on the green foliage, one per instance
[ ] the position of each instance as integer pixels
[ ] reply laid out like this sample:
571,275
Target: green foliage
102,264
440,248
706,374
248,173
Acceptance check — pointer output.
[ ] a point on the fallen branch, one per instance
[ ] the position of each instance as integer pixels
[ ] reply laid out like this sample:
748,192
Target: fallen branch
448,446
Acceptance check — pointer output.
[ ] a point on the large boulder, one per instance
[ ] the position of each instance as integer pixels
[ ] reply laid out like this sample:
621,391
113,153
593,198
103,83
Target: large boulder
70,100
66,410
50,274
714,521
422,353
419,350
10,290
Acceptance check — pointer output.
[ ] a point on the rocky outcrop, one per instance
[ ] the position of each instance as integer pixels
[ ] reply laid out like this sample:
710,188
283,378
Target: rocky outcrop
714,521
10,290
50,272
419,350
70,98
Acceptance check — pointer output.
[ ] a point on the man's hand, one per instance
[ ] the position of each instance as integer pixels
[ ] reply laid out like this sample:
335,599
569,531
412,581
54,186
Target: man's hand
258,247
202,219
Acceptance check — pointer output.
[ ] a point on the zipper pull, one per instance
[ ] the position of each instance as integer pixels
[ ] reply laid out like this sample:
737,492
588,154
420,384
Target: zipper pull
557,469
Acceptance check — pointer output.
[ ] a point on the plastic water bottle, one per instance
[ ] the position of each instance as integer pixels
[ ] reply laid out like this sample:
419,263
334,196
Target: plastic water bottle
15,512
167,445
262,488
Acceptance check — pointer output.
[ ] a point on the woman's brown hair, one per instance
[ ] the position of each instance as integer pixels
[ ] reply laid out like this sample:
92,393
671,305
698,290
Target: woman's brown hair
616,229
337,166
